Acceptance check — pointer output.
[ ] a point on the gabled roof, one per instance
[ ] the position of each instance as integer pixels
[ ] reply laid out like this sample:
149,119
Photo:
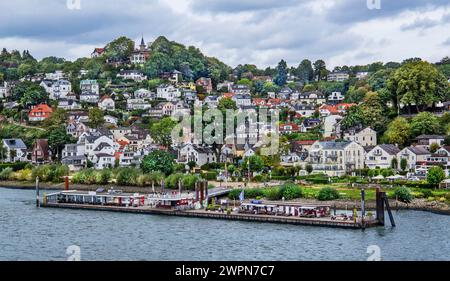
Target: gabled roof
334,144
418,150
427,137
390,148
14,143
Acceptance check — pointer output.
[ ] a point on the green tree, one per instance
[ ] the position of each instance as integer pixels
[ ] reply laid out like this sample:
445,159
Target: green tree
394,164
158,161
256,163
435,176
425,123
57,139
305,71
58,118
320,70
161,131
309,168
225,104
119,49
398,131
281,77
96,118
403,164
29,93
418,83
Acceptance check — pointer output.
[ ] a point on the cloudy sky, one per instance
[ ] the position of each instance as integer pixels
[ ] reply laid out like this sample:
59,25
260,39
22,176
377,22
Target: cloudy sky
237,31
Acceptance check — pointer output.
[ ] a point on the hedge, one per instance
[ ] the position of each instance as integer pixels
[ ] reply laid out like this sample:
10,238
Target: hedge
14,166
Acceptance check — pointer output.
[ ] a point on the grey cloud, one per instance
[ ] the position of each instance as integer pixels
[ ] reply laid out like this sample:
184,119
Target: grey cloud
354,11
234,6
420,24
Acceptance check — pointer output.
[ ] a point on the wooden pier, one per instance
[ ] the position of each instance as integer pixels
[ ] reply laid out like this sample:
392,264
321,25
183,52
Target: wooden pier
323,222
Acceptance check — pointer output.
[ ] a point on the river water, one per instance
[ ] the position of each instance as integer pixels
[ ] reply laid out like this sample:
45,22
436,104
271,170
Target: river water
29,233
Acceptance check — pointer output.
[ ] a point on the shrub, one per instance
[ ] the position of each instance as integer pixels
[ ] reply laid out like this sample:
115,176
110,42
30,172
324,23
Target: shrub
427,193
403,194
6,173
50,173
189,181
211,175
103,176
173,179
327,194
273,193
291,191
259,178
14,166
234,194
23,175
127,176
254,193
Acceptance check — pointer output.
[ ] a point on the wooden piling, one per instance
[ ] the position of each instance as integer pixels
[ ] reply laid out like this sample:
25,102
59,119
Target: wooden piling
37,193
388,208
380,206
363,208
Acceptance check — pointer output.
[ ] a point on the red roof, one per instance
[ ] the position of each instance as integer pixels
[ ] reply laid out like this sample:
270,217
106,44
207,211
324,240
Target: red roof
305,142
99,50
259,101
41,111
338,108
293,127
228,95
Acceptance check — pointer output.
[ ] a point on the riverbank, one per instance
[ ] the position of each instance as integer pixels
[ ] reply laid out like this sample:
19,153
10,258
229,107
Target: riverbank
342,204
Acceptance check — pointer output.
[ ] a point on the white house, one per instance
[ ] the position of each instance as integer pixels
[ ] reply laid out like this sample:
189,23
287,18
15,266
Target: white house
413,155
138,104
329,125
306,110
365,137
338,76
89,97
198,154
107,103
15,150
242,100
336,158
336,97
57,75
111,119
144,94
381,156
5,90
168,92
135,75
240,89
90,86
57,89
69,104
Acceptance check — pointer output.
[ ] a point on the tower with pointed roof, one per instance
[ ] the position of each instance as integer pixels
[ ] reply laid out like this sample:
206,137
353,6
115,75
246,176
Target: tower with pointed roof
142,47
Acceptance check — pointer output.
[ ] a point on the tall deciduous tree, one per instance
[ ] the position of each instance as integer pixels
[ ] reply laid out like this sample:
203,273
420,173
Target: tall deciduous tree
398,131
161,131
305,71
320,69
96,118
281,77
158,161
418,84
425,123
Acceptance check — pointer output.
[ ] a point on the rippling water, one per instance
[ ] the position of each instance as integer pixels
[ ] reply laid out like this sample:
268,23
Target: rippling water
28,233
